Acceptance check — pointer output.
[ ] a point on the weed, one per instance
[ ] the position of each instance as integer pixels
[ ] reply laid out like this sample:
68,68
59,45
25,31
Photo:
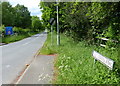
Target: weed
76,64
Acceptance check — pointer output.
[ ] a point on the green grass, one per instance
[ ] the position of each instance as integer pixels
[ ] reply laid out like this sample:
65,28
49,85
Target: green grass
14,38
76,65
20,34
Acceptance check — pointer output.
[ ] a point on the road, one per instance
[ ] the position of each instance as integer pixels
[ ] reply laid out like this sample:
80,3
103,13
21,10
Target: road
40,71
16,55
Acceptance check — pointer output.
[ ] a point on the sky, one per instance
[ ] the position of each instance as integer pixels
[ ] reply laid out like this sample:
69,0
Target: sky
32,6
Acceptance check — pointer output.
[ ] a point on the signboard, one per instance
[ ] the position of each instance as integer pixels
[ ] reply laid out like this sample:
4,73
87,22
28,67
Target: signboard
8,30
51,21
108,62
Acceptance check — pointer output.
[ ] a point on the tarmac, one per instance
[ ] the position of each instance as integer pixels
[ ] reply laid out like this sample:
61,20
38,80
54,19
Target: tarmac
40,71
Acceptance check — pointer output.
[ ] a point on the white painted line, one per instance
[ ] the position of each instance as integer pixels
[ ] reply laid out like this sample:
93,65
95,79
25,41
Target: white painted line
30,41
44,77
28,66
22,40
26,43
41,75
47,75
26,69
22,75
39,79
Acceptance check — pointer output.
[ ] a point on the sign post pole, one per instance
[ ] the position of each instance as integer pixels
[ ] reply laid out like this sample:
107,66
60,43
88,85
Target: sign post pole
51,34
58,34
52,22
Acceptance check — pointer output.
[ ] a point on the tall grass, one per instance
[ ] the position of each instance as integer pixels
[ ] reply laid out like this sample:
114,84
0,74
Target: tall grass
19,34
76,65
14,38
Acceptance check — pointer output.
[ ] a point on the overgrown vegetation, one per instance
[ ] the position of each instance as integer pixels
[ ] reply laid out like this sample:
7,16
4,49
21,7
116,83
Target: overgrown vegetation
83,24
19,18
14,38
85,20
19,34
76,65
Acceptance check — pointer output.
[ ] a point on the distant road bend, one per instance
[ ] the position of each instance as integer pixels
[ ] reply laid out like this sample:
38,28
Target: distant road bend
16,55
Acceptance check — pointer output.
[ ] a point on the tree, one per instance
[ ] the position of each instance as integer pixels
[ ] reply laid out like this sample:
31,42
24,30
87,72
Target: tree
23,18
15,16
7,14
104,19
0,13
36,23
85,20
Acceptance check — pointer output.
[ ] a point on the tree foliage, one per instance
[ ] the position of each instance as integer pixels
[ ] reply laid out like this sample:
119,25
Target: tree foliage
23,18
18,16
86,20
7,14
36,23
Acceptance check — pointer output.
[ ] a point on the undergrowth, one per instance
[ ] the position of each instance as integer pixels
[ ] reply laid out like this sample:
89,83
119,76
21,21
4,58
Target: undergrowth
76,65
14,38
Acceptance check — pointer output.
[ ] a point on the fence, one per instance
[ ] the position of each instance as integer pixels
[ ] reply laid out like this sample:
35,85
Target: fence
105,39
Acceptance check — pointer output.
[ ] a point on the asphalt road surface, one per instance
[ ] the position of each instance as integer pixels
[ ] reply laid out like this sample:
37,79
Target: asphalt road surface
40,71
16,55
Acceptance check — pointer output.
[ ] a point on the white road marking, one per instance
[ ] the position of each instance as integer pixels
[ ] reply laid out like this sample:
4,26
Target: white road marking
22,40
39,79
41,75
30,41
47,76
26,43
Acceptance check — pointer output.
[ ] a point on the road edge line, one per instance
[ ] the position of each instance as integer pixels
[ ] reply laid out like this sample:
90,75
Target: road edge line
34,57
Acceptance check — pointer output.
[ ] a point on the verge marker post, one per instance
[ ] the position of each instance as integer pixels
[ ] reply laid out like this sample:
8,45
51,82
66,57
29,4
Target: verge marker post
104,60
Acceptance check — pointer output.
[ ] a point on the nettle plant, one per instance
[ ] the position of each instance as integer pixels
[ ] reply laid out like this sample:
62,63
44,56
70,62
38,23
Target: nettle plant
2,29
111,34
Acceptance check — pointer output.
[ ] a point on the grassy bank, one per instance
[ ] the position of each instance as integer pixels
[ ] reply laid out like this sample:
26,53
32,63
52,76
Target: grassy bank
76,65
14,38
19,34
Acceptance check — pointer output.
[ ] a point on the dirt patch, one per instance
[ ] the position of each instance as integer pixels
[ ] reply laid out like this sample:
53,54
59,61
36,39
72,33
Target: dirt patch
48,55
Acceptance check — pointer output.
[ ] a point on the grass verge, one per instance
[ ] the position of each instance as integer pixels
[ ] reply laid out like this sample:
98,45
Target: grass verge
14,38
76,65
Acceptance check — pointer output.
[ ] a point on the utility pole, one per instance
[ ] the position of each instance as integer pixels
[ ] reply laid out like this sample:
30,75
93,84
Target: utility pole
58,33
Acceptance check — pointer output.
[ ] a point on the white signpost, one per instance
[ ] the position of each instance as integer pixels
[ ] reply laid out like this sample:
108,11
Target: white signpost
104,60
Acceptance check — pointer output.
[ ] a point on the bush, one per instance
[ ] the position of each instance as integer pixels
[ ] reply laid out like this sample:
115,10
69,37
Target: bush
75,63
2,30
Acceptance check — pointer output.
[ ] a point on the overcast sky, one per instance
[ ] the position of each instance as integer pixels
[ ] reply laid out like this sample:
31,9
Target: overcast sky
31,4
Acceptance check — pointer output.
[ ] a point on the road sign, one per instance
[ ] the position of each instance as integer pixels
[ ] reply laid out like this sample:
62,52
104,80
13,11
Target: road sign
51,21
104,60
8,30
